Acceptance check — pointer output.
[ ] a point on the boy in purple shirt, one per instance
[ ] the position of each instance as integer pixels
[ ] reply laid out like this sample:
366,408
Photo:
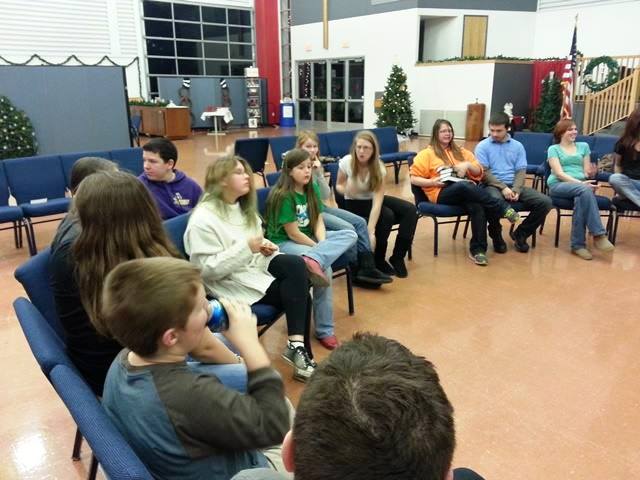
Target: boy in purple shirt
173,191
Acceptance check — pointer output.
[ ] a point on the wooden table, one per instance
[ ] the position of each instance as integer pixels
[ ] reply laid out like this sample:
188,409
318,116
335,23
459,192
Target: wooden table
171,122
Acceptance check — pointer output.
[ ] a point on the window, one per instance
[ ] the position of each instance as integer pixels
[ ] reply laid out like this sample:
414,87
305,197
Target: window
186,39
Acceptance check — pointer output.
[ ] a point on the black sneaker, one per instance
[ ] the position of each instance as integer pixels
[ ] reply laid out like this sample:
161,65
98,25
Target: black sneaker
385,267
303,365
500,246
372,275
519,243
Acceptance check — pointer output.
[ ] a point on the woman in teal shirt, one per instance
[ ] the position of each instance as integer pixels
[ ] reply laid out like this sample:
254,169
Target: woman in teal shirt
571,168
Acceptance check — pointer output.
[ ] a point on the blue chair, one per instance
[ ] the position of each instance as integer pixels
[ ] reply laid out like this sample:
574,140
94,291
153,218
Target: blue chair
340,267
33,275
39,187
536,145
68,159
175,228
134,129
279,146
254,151
336,144
624,209
128,159
109,447
11,214
390,149
272,178
604,205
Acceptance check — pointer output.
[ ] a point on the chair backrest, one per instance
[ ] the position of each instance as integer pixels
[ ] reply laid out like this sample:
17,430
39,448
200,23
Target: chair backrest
262,194
32,178
603,144
272,178
279,146
116,457
588,139
535,144
175,228
47,347
387,139
4,187
33,275
418,195
128,159
68,159
338,144
254,151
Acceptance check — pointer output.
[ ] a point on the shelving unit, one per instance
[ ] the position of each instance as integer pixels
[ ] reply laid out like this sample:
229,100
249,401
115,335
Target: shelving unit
254,101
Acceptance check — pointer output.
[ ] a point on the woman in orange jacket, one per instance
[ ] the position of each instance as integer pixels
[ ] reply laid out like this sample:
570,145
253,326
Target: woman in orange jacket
450,175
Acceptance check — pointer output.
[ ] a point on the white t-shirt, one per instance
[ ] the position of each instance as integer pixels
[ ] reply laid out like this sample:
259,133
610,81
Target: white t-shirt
359,188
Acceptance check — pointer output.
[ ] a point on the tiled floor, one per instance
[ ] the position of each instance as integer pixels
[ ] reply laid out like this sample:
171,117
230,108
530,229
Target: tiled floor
538,352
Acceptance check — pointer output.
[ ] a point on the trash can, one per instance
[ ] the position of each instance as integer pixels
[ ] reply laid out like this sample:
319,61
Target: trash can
287,114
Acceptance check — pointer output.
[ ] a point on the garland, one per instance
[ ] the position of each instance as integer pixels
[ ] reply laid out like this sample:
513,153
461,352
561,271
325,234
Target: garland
612,74
497,57
105,58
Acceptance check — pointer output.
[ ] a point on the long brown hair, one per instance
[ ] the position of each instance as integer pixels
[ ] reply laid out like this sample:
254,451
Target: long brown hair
375,175
120,221
217,172
305,135
561,127
286,187
631,133
437,148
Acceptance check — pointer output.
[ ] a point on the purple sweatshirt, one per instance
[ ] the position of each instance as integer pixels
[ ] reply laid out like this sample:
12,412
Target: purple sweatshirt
176,197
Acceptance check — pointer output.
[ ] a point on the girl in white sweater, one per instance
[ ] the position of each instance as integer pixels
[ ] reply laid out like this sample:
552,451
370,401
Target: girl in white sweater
224,238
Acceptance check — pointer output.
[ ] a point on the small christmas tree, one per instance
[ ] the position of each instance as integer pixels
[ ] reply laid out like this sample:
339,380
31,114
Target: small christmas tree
547,113
396,110
17,138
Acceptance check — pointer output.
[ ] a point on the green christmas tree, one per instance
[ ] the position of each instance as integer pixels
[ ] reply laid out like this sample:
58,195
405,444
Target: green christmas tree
547,113
17,138
396,110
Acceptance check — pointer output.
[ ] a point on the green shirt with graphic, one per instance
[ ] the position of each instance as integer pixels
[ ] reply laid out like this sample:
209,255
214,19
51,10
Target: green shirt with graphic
294,208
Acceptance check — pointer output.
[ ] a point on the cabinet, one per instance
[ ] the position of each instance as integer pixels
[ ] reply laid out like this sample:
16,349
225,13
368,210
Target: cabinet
254,101
171,122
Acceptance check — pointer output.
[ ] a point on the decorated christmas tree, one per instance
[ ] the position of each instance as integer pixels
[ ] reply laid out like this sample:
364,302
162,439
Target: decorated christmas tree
547,113
396,110
17,138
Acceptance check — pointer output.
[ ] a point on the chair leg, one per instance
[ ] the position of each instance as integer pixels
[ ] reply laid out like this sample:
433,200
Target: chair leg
557,227
17,233
435,236
533,239
614,230
455,228
466,229
93,468
31,237
77,444
396,171
350,291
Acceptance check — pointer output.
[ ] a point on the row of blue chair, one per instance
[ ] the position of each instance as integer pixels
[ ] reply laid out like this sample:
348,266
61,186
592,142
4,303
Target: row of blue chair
332,144
40,186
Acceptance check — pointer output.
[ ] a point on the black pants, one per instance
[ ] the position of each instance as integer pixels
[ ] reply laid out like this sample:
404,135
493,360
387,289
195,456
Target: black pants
538,204
480,206
290,292
393,211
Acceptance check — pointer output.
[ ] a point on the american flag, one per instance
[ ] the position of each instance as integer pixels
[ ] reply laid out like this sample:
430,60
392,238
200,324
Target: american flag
567,78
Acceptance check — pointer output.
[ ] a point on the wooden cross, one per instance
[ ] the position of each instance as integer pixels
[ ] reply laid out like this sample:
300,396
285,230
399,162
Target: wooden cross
325,24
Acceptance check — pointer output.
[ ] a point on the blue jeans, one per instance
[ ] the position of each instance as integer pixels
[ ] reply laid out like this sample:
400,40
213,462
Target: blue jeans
231,375
627,187
339,219
325,253
585,211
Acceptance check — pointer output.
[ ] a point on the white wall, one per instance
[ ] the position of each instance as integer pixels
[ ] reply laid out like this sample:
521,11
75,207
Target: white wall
452,87
89,29
382,39
442,38
602,30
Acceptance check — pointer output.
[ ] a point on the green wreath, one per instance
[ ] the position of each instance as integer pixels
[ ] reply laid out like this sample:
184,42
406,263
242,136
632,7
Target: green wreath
612,76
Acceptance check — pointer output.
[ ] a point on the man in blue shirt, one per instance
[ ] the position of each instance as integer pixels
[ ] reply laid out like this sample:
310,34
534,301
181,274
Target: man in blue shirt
505,163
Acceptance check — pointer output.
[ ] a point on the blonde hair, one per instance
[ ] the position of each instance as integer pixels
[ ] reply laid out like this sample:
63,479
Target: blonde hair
217,172
305,135
144,298
375,177
120,221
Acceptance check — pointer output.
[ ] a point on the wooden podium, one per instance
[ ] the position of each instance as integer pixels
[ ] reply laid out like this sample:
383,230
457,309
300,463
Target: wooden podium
171,122
475,122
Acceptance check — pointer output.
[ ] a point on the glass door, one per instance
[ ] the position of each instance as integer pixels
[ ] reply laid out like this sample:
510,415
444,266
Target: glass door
355,97
319,89
304,90
338,80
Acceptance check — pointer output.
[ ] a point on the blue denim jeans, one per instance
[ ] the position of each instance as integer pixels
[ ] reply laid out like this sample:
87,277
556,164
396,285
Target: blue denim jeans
339,219
231,375
626,187
585,211
325,253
